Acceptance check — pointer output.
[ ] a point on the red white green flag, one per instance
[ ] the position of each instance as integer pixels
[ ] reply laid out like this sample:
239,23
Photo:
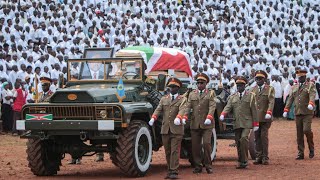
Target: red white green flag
157,58
38,116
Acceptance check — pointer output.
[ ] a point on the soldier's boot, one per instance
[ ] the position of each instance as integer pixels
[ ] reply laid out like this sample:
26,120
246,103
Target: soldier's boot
197,170
309,136
99,157
242,165
168,175
73,161
300,156
173,175
257,161
78,161
265,161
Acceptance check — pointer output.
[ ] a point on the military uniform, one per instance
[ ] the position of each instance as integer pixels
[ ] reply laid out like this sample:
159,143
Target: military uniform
171,106
303,96
243,106
265,103
45,96
203,107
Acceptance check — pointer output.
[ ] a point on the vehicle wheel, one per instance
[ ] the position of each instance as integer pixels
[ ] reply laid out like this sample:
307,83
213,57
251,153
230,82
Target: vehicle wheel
134,149
214,148
113,157
252,146
214,144
42,160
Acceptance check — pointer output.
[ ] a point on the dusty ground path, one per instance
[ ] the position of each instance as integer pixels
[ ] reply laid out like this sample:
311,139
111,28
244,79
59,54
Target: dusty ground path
13,163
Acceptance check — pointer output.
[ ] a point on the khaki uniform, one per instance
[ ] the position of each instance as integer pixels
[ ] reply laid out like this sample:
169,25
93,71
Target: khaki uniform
171,134
245,114
203,107
265,104
45,97
302,97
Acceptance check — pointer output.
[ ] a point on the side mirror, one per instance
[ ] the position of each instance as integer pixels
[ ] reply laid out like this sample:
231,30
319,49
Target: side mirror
161,83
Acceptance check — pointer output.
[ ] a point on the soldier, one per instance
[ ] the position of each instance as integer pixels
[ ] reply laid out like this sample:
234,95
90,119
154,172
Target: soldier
202,102
243,106
302,95
46,94
265,103
172,125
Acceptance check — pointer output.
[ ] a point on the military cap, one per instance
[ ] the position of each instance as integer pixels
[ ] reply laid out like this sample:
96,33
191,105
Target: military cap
201,77
301,72
45,80
174,82
241,80
261,73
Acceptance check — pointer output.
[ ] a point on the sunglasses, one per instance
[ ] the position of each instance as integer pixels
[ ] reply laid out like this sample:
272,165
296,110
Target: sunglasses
200,82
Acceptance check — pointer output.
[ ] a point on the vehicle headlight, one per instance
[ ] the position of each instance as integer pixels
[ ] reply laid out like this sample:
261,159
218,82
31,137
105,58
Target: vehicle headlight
103,114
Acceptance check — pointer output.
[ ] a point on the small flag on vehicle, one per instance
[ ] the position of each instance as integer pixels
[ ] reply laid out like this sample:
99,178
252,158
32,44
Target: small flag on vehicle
39,117
121,94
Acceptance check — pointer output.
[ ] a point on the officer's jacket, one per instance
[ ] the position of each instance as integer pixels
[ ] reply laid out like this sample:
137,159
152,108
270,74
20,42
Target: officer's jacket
302,97
45,97
244,110
265,101
203,107
170,110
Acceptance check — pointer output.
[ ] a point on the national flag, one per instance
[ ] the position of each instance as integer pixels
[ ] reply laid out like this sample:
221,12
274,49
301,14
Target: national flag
162,58
39,117
121,94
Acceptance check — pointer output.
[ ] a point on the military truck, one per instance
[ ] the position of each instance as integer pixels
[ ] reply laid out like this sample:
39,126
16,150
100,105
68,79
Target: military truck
86,117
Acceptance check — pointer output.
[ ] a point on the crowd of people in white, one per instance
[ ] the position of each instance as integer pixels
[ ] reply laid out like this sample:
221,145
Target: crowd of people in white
224,38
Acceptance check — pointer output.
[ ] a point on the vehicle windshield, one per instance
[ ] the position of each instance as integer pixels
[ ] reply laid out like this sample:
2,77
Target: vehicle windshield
104,70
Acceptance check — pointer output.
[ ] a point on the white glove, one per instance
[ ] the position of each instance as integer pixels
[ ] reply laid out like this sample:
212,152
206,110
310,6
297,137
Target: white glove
256,128
184,121
310,107
177,121
285,114
268,116
151,121
207,122
221,117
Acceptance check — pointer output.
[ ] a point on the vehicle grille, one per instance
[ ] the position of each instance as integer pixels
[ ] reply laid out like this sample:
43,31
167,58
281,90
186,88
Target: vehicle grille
77,112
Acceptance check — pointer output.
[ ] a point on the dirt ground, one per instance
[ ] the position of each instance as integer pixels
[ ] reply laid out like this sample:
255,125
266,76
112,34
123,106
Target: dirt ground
282,149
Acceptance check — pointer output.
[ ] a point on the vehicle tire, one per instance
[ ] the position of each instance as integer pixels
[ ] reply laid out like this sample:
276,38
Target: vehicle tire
214,148
42,160
252,146
214,144
113,157
134,149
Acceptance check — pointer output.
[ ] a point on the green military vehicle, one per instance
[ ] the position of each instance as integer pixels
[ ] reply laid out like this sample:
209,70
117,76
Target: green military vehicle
86,117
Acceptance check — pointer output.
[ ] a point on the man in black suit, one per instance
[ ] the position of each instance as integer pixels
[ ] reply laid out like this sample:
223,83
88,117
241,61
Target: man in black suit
93,70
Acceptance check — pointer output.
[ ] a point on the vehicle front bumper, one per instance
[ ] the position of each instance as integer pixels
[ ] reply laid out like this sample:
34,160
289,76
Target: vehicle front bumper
47,125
